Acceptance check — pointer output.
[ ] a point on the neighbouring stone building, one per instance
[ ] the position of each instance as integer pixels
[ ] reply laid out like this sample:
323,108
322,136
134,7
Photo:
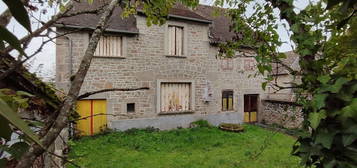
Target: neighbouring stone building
177,61
279,106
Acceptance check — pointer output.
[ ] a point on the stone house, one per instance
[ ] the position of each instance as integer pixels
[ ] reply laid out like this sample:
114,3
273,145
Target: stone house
177,61
280,104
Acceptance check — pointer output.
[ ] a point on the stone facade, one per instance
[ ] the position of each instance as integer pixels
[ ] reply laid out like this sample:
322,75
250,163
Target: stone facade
145,62
282,113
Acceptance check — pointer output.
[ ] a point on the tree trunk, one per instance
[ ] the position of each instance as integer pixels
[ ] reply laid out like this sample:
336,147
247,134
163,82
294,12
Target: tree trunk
61,121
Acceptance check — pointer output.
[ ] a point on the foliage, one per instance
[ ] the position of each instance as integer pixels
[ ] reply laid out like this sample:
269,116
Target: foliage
196,147
11,102
325,39
201,123
157,12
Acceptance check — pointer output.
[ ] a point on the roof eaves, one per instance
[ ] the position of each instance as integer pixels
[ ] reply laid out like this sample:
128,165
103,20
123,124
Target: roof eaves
190,19
181,17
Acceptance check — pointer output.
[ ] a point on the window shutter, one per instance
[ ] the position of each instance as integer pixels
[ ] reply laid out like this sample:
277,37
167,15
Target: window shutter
179,35
171,40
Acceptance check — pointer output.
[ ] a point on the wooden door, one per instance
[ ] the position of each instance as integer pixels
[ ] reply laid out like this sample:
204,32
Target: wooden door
92,114
250,108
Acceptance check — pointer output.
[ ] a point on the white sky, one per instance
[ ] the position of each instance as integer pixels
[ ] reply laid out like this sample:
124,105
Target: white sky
44,62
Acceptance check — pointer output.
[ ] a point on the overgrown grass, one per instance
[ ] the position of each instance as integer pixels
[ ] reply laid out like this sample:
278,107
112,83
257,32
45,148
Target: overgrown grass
200,147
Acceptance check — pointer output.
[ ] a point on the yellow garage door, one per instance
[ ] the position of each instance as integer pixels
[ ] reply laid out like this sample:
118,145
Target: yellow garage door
93,116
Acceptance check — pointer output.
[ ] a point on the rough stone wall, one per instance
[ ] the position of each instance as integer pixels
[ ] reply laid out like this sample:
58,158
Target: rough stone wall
282,113
145,62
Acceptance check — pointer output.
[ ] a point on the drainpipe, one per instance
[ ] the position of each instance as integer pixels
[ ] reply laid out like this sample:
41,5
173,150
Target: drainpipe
70,45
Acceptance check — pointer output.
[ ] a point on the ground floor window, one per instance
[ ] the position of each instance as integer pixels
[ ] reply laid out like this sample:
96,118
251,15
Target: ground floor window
227,100
130,108
175,97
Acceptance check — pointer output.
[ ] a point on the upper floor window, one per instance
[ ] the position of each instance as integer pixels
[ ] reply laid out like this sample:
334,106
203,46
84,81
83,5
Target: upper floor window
227,100
109,46
175,42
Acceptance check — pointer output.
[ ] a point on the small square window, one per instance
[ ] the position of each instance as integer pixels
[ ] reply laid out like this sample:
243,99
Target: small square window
130,107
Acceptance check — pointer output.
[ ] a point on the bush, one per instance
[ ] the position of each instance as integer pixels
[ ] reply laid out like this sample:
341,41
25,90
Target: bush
200,123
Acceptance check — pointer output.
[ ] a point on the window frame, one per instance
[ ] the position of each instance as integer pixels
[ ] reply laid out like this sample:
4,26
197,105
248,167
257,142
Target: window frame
123,46
176,45
227,102
184,39
130,111
158,96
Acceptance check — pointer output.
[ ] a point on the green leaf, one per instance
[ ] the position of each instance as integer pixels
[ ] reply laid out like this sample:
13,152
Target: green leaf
22,93
11,116
5,130
348,139
18,149
90,1
338,85
315,118
330,164
324,79
264,85
351,109
7,36
319,100
325,138
19,12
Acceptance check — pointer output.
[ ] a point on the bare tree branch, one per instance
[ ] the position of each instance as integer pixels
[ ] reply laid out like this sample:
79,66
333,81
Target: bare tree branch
64,159
99,114
62,120
109,90
50,23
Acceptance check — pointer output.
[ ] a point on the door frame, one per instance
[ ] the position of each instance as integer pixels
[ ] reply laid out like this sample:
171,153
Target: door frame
257,106
91,116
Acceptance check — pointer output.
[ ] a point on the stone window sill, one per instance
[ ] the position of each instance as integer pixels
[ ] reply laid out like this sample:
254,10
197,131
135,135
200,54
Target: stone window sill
227,111
176,112
175,56
114,57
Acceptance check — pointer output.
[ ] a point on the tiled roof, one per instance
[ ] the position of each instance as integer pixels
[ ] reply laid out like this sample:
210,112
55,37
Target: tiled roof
218,25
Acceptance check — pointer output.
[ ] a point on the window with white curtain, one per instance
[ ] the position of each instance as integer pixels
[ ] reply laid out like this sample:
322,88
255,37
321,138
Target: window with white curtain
175,43
109,46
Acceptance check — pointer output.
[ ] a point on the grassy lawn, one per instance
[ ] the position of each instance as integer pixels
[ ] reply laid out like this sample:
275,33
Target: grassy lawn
200,147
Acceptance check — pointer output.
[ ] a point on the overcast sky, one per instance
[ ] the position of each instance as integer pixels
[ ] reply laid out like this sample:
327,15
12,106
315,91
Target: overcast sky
45,61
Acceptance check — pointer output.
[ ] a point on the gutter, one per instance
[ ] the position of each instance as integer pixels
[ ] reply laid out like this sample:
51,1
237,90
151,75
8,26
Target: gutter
92,28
